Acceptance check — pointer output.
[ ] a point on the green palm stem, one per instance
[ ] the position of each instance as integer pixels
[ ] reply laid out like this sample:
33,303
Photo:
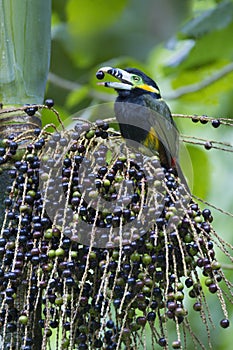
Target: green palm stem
25,40
24,59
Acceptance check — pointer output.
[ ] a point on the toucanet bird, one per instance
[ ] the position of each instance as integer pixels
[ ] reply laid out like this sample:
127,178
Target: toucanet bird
143,116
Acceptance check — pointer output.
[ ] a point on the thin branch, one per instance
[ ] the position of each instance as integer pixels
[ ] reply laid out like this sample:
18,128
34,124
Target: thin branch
64,83
201,118
202,84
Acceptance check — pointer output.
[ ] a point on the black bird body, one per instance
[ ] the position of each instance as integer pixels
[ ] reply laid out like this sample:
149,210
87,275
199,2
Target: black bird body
143,116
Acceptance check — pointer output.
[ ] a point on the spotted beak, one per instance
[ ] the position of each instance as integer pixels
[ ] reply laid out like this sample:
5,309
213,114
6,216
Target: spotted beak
125,78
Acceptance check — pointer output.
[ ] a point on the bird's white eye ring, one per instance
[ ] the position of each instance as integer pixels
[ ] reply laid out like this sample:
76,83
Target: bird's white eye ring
136,78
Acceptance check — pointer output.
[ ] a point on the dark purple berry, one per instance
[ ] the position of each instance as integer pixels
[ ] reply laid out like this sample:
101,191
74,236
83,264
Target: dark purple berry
224,323
195,119
151,316
216,123
100,75
31,110
49,102
204,119
162,342
37,131
208,145
206,213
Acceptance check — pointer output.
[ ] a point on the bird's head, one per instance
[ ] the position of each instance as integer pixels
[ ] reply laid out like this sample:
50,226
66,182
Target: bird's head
131,81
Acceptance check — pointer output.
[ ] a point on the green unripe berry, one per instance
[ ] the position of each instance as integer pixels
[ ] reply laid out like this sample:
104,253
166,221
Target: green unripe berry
51,253
48,234
135,257
59,252
146,259
23,319
215,265
90,134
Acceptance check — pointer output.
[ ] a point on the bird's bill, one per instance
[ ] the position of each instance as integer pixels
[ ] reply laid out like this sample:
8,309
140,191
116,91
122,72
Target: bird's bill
116,85
120,74
127,80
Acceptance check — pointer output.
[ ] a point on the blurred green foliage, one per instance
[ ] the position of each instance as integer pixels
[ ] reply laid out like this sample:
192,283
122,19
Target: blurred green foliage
186,46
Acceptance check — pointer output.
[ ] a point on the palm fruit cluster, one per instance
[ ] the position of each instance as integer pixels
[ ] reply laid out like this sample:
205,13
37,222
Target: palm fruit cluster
101,248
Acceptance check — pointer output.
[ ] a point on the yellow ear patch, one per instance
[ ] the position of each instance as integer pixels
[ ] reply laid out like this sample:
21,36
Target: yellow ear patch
148,88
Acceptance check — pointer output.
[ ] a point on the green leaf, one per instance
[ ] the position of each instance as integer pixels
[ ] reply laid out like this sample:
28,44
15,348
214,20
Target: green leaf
201,41
209,48
211,20
211,94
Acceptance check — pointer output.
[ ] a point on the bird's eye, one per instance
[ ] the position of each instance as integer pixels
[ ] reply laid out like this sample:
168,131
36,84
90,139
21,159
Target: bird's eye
136,78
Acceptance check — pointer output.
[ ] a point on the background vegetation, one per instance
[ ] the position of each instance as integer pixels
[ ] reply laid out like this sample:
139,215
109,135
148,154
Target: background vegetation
186,46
